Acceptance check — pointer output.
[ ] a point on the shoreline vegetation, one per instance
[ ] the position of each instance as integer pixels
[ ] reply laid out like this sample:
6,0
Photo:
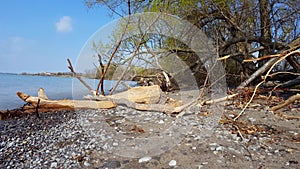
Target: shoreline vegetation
55,74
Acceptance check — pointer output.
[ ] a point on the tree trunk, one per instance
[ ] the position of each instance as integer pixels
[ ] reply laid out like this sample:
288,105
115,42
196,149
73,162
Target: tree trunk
265,24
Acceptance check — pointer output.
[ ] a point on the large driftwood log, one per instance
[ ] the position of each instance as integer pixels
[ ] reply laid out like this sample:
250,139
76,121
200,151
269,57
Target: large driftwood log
140,98
65,104
166,108
143,96
140,94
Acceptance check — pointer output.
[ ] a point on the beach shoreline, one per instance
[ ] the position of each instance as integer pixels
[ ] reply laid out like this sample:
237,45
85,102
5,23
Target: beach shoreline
58,139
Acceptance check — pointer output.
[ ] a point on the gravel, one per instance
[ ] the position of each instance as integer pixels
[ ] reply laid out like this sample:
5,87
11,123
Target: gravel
126,138
67,138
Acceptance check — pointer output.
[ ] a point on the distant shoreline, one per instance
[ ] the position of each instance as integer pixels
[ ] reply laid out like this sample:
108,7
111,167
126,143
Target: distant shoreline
54,74
57,74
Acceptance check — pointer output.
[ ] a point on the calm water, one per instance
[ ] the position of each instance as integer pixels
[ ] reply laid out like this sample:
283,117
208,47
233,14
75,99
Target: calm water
55,88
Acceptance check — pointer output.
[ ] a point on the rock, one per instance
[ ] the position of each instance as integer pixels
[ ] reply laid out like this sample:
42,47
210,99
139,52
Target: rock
86,164
220,148
160,122
172,163
200,166
252,119
144,159
112,164
53,165
213,144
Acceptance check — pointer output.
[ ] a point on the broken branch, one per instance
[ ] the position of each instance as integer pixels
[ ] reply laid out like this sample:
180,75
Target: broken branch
79,78
287,102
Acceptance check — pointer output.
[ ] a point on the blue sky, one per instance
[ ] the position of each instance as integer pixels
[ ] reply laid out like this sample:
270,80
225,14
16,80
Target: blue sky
39,35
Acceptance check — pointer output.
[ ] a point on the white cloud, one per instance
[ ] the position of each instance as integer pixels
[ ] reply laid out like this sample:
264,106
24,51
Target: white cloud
64,24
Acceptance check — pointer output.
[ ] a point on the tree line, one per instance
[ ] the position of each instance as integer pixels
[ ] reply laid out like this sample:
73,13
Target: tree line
240,30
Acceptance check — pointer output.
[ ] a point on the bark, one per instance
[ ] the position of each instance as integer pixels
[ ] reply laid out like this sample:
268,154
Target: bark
265,21
290,83
294,63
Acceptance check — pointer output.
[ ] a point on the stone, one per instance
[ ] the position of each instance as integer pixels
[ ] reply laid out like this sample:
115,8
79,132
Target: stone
144,159
86,164
220,148
172,163
161,122
112,164
53,165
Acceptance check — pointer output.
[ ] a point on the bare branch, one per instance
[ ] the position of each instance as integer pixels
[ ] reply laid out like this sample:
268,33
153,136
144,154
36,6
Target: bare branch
133,54
112,55
79,78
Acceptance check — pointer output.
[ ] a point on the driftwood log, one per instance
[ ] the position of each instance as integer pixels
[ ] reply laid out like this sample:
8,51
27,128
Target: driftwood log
140,94
166,108
140,98
49,105
144,98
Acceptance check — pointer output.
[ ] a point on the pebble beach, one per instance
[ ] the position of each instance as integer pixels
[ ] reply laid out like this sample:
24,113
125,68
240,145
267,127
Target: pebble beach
127,138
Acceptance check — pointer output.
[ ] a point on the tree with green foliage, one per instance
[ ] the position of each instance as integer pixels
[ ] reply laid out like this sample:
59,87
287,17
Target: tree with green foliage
241,29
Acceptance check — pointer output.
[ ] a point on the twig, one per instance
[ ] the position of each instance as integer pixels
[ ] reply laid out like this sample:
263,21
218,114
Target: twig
188,105
274,88
219,99
102,72
263,81
282,115
287,102
79,78
260,71
254,92
238,54
269,65
126,85
277,73
37,108
238,130
263,57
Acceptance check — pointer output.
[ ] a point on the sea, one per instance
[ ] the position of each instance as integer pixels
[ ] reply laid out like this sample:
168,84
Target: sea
55,88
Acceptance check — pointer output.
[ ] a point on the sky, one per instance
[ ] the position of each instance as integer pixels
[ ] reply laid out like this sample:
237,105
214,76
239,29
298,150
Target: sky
39,35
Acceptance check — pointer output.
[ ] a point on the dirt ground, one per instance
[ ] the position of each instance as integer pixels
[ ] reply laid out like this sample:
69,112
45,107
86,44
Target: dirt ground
259,139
